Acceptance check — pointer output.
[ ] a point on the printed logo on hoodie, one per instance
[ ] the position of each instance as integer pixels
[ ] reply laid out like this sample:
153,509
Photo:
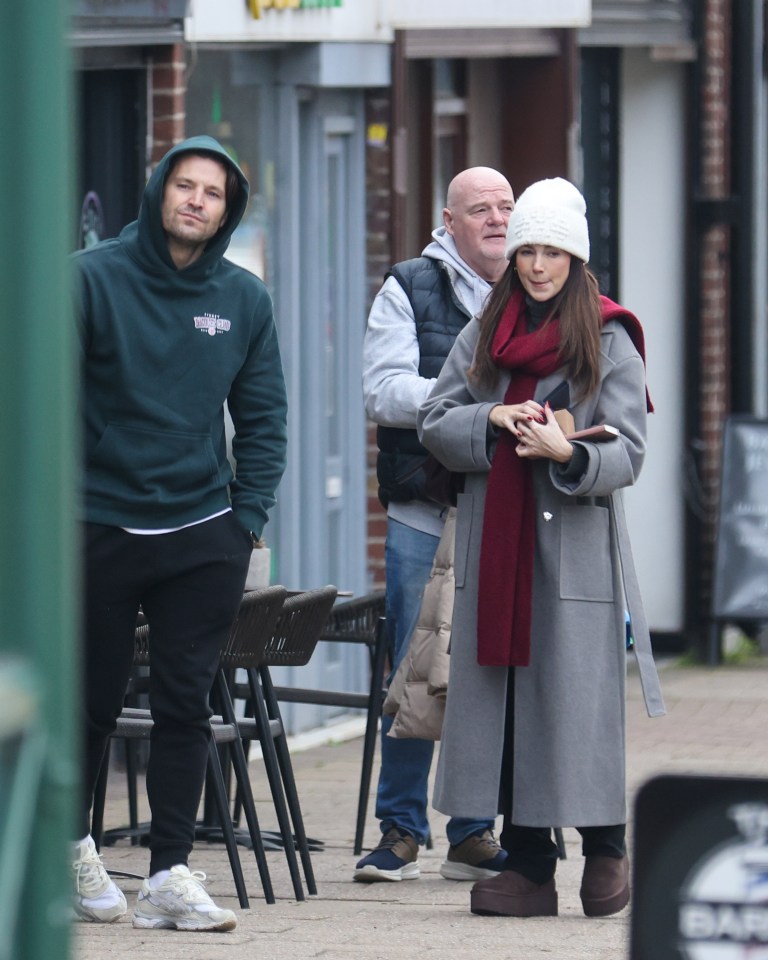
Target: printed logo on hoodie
212,323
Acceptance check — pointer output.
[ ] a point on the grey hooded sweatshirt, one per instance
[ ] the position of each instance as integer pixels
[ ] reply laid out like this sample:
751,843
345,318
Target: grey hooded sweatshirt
392,387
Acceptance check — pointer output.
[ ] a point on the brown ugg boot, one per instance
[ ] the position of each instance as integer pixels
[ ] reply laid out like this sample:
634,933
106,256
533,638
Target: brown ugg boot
510,894
604,885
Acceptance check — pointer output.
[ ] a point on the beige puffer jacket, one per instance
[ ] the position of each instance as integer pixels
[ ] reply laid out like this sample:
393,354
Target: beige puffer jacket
417,693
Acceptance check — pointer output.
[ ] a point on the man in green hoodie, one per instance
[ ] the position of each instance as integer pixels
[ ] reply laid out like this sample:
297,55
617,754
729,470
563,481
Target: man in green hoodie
170,331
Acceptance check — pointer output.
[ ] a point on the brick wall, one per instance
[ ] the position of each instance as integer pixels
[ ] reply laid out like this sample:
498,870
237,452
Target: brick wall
167,91
378,260
714,279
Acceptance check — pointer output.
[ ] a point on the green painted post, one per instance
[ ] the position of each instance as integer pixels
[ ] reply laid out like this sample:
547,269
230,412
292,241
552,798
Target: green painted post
38,455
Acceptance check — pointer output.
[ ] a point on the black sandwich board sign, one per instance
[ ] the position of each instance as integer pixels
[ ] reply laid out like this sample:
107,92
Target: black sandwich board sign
741,553
700,869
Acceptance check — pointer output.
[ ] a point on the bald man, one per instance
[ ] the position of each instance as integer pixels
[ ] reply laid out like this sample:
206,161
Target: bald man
415,318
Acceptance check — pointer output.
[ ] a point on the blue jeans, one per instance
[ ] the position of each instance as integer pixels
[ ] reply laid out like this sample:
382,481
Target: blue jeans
401,798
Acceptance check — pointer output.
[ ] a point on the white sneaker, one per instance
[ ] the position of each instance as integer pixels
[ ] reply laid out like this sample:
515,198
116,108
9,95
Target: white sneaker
180,903
98,899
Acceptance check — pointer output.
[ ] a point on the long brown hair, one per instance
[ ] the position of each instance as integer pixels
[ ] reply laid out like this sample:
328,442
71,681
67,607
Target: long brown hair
577,306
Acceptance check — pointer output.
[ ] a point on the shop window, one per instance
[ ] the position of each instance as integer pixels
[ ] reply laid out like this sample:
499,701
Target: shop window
222,107
450,129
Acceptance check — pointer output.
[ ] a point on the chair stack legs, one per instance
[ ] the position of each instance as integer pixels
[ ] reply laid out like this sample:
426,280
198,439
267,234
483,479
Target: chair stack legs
284,776
240,763
216,780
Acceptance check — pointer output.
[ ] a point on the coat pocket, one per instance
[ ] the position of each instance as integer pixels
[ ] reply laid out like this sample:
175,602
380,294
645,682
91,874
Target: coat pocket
585,554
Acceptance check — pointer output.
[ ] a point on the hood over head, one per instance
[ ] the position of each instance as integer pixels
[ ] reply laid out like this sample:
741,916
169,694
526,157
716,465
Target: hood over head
145,237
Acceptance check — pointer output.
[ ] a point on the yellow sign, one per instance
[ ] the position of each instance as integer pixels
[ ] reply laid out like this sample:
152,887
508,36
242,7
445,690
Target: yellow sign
256,7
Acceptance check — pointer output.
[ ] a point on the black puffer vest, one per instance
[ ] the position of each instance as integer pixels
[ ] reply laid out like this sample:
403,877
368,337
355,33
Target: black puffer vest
439,318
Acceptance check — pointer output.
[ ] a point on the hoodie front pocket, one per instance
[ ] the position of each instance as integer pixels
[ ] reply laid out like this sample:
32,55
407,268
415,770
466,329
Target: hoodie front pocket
159,464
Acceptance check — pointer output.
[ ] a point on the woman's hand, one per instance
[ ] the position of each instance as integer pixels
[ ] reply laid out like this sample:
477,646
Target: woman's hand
507,416
536,439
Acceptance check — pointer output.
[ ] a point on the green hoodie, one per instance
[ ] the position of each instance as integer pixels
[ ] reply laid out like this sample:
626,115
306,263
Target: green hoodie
162,349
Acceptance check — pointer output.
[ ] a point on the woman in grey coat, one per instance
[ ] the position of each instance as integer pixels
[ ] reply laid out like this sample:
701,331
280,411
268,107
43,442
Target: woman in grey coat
535,709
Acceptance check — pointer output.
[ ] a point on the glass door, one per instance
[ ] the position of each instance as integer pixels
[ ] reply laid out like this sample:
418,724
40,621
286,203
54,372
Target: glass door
322,315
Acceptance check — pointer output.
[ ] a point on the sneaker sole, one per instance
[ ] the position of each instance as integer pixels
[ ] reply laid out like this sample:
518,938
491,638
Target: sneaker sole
90,917
99,914
371,874
170,923
451,870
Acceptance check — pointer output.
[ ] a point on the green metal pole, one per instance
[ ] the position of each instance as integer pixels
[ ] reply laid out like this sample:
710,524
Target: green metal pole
39,586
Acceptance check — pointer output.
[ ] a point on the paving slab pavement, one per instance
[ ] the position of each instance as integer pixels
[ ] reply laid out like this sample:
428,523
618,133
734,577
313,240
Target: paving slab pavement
716,724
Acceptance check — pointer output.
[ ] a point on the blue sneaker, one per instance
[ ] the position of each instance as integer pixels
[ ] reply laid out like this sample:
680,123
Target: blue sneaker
395,858
477,857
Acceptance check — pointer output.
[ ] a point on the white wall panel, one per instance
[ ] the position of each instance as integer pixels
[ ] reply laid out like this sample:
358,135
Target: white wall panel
430,14
652,272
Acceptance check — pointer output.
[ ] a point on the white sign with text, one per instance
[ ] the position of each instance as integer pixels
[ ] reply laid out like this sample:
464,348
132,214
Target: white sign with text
364,21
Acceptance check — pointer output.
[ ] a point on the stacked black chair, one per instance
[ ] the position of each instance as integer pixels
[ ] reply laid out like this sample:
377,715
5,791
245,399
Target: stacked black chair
259,612
358,621
292,643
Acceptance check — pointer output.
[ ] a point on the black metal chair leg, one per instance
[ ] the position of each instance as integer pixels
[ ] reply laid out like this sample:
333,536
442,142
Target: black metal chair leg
216,780
251,818
131,766
286,778
268,750
371,731
240,765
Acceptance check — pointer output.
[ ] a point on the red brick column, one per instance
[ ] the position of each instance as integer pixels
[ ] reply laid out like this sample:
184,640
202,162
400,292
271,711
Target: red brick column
168,92
715,277
378,260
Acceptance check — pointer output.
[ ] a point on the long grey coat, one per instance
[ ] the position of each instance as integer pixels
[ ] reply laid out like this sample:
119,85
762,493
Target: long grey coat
569,743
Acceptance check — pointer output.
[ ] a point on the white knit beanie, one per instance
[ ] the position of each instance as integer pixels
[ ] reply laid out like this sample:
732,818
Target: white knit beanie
553,213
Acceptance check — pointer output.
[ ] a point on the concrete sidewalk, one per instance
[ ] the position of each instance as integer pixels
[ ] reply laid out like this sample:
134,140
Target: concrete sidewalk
716,724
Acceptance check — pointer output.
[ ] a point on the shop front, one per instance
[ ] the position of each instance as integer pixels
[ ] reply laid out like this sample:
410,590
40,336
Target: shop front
349,123
116,45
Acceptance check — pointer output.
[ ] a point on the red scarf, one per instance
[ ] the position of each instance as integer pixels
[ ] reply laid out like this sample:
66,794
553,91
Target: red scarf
506,552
